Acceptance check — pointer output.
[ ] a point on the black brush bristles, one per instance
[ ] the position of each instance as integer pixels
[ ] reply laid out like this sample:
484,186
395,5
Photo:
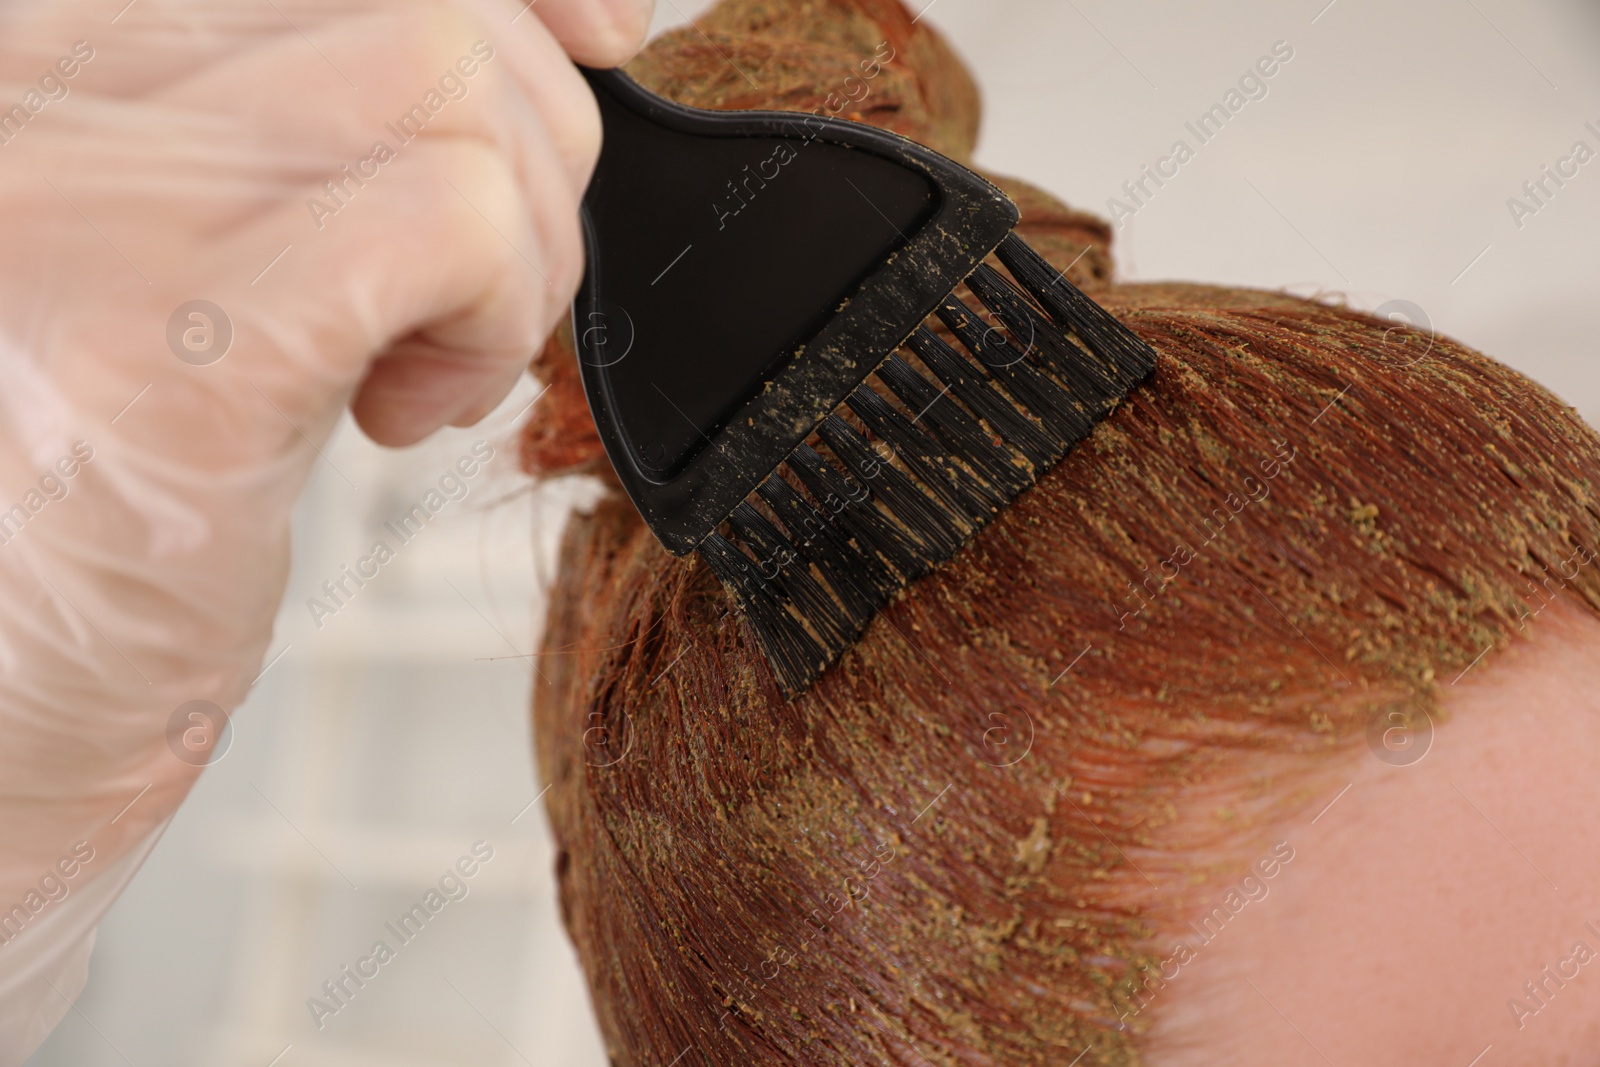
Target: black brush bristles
847,502
924,457
932,526
1037,392
1083,377
779,561
792,652
1130,359
861,580
974,388
997,465
967,436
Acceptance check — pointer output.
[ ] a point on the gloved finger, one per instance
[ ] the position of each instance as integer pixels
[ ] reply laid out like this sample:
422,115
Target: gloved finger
456,301
525,55
451,255
596,33
423,383
490,397
427,69
544,71
155,43
456,338
454,369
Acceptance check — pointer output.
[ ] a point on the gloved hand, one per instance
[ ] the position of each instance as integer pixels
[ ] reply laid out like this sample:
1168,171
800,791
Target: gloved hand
375,199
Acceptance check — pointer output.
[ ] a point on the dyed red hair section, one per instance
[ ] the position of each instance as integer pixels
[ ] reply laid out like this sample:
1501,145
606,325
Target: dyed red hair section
946,850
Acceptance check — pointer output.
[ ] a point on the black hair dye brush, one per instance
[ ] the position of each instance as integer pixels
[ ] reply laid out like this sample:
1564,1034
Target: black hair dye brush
751,276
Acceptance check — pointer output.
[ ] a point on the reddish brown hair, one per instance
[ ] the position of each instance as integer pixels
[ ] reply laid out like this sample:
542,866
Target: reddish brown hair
1303,519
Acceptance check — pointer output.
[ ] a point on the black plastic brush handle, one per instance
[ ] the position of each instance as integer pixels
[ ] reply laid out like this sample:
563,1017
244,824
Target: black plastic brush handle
746,271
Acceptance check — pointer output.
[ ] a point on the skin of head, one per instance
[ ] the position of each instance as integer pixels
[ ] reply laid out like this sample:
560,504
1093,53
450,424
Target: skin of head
1436,908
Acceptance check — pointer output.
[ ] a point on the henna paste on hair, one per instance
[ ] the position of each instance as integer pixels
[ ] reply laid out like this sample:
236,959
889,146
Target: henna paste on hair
946,851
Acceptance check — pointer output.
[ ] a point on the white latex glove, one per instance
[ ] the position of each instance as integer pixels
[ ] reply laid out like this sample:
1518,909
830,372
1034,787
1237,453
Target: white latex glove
168,151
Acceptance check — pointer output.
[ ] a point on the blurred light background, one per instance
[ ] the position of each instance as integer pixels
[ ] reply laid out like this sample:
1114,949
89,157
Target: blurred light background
383,744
